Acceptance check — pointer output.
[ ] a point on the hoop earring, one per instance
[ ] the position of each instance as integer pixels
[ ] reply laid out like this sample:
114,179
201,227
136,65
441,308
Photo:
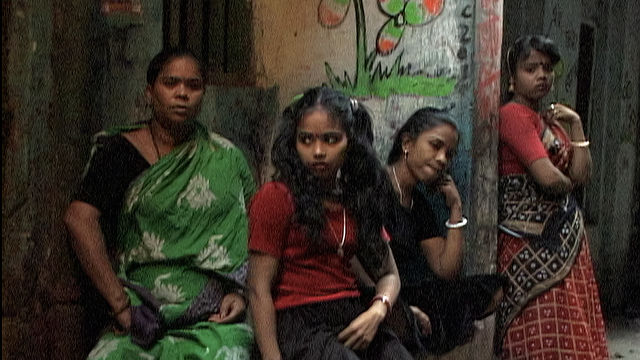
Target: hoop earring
406,154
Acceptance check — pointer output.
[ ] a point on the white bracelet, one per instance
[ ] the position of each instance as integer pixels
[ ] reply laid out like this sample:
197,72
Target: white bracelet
580,144
457,225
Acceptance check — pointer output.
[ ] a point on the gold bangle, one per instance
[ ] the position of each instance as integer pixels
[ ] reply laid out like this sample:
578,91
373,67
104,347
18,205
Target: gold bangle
580,143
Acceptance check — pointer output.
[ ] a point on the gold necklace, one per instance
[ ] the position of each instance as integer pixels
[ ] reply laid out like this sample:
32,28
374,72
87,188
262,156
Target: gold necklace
344,232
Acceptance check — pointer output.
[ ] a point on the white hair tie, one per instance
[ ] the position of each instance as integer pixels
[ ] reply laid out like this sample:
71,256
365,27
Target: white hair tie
354,105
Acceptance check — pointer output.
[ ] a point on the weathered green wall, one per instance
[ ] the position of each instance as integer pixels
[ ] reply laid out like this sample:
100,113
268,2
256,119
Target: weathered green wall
40,101
69,71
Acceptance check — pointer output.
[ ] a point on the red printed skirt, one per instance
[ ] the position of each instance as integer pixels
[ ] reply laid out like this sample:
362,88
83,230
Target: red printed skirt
564,322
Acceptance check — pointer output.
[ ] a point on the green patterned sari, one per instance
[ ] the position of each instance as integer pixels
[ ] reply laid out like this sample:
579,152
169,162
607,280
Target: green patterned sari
184,221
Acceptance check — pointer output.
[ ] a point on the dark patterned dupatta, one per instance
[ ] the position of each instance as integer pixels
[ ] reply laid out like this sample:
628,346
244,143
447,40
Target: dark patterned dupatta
551,227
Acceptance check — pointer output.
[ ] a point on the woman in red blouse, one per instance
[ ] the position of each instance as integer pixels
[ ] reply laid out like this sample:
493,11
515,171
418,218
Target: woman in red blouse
311,228
551,308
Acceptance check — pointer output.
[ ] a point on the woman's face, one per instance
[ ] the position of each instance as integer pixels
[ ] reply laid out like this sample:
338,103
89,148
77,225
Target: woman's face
533,77
176,94
321,143
430,153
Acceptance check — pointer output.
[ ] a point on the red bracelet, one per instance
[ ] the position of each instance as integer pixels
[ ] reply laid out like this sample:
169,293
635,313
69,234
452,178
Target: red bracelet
384,299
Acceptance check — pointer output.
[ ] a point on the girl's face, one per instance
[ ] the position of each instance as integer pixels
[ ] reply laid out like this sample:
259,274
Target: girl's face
321,143
533,77
430,153
176,95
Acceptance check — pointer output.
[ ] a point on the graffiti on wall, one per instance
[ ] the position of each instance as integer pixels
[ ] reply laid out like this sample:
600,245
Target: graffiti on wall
489,34
371,77
109,7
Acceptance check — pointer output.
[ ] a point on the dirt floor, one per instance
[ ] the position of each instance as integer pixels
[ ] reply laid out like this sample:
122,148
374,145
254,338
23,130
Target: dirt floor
624,338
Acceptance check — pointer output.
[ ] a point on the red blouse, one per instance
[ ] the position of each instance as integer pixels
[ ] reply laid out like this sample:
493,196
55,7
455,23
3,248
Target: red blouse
520,144
308,272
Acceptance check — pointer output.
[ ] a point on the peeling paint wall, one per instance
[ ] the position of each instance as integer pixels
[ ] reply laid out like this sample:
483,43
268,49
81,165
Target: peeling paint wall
38,298
430,64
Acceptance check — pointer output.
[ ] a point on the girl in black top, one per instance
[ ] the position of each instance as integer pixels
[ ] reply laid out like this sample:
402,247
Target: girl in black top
429,262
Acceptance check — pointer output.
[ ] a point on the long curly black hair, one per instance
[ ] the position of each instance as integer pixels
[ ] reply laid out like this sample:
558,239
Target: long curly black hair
361,173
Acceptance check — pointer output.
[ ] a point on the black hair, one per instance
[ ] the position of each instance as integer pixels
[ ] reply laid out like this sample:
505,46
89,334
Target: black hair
522,47
421,120
167,54
361,173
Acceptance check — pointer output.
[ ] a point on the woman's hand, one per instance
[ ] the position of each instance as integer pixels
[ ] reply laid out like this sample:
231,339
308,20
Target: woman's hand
448,188
231,309
561,158
423,320
559,113
361,331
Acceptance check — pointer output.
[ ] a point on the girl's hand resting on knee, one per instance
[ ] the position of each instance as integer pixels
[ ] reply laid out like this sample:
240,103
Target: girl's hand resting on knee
361,331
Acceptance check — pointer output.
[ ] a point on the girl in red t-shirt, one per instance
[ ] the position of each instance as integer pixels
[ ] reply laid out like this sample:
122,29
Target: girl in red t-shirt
551,307
311,228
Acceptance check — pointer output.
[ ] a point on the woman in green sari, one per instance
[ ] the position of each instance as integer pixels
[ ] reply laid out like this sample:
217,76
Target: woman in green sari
170,198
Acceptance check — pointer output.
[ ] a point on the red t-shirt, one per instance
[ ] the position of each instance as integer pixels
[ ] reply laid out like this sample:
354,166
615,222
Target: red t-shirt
308,273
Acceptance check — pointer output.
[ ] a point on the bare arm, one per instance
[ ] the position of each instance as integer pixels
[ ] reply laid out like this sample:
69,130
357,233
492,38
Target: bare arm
361,331
87,240
550,177
263,269
389,282
444,254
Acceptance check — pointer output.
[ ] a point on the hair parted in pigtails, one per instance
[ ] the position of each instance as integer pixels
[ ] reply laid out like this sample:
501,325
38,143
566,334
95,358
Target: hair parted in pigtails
361,173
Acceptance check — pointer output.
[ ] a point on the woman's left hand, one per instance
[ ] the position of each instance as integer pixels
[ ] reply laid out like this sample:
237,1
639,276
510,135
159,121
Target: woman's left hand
361,331
561,113
448,188
231,309
561,159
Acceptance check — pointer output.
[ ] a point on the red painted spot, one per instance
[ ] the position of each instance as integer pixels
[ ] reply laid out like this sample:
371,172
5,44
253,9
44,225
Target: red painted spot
386,45
328,17
433,6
